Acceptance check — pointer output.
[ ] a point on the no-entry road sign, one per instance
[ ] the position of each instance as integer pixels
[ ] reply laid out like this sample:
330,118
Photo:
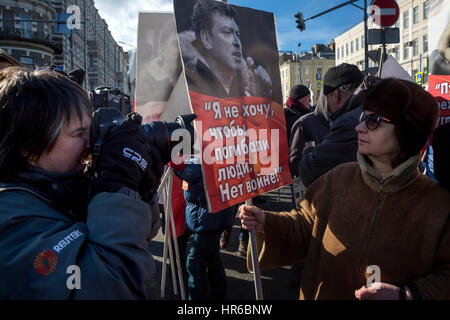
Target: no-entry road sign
384,12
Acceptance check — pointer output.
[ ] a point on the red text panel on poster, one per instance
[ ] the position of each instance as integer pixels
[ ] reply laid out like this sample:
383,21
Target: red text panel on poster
244,147
439,87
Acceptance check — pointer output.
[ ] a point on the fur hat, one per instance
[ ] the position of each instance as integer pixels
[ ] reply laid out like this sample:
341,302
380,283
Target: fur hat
298,91
340,75
412,110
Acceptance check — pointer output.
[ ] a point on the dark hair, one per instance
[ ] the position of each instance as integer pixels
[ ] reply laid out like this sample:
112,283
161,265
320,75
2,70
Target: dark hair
34,105
203,11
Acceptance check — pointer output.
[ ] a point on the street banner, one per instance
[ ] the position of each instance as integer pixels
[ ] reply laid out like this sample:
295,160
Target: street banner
230,63
439,69
439,87
158,66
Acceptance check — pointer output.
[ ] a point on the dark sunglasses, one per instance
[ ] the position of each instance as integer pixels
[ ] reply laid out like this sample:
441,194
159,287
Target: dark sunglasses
373,120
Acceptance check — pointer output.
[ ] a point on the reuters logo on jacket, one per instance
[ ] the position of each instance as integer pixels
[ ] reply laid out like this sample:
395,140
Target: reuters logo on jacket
45,262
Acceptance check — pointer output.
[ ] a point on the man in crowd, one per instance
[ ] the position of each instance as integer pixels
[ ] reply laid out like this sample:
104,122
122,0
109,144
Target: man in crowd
340,144
297,105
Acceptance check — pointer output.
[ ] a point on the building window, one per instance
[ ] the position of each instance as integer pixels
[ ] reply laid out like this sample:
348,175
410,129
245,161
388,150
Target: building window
415,47
351,47
357,44
25,27
397,53
27,62
425,43
405,52
363,44
338,54
346,49
426,9
406,19
415,15
307,70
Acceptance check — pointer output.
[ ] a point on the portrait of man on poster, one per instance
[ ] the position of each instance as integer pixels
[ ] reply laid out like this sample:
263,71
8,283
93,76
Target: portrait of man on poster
213,55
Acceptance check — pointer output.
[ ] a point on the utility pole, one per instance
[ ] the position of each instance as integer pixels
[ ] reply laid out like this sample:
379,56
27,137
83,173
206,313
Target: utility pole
366,45
85,44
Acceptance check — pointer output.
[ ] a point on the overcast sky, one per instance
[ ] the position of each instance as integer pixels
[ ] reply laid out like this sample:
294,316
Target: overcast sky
122,18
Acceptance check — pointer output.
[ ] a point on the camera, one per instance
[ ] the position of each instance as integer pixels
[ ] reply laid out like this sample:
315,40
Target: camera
160,131
106,97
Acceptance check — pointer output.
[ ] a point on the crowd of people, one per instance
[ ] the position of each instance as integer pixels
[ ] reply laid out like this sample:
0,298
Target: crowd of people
370,224
366,206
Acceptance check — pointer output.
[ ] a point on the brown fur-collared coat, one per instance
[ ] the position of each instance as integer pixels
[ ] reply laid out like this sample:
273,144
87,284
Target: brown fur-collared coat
350,219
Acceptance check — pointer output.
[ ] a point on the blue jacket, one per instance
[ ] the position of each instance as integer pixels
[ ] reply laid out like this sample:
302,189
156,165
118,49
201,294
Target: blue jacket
197,216
39,244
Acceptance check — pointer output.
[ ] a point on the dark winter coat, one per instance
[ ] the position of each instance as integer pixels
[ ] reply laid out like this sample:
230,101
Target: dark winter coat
202,80
310,127
41,243
293,111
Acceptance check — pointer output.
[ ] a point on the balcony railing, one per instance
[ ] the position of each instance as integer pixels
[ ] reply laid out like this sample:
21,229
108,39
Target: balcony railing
20,34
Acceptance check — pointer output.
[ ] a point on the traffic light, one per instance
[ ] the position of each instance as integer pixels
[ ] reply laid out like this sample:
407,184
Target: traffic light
300,21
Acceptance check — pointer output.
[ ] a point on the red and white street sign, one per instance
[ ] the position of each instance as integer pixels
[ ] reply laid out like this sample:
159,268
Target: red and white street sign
384,12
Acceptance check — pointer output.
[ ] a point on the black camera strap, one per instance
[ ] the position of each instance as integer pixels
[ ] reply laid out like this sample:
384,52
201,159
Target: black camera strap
96,151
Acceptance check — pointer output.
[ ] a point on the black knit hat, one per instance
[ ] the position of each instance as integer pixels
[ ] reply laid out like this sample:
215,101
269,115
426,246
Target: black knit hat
298,91
412,110
340,75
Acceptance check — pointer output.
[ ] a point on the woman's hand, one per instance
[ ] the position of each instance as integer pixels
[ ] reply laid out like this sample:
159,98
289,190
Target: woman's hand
380,291
252,218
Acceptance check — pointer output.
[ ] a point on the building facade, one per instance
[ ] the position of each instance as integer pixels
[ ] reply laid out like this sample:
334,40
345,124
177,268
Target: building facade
31,43
307,69
90,47
412,50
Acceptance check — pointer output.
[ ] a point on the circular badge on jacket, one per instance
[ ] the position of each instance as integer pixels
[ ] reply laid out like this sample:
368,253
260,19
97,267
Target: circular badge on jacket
45,262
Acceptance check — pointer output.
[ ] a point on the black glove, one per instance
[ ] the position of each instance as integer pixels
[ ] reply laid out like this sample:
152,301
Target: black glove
126,159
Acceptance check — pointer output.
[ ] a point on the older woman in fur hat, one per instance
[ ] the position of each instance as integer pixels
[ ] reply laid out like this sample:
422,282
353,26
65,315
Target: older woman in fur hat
373,229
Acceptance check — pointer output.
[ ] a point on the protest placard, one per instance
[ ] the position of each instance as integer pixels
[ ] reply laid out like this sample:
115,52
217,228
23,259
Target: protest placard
438,86
158,67
230,62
